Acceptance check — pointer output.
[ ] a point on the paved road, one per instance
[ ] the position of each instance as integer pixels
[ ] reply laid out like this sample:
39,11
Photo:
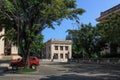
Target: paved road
64,71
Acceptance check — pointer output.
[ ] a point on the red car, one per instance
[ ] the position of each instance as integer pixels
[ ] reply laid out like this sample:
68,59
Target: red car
33,63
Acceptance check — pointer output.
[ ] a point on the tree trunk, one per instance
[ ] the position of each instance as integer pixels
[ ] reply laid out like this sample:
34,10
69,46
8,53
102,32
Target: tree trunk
113,48
24,51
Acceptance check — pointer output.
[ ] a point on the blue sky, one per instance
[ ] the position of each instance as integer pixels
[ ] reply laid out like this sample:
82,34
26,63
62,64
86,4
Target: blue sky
93,9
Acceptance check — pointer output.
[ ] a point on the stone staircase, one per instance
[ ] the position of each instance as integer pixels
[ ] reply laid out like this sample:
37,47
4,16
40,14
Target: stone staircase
6,57
4,62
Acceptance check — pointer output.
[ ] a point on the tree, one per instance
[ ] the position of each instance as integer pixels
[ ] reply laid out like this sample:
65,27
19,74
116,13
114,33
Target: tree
110,30
37,44
27,18
85,41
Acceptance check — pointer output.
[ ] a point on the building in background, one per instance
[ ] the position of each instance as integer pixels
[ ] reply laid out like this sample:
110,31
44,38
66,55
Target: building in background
7,50
57,50
103,16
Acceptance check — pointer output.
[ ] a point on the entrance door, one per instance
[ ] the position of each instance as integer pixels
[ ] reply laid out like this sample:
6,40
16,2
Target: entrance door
7,48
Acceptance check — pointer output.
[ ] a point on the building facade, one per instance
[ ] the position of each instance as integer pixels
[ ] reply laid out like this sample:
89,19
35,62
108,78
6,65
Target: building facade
57,50
7,51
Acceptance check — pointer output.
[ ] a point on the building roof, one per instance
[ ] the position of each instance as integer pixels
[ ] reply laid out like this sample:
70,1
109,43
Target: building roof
53,41
115,9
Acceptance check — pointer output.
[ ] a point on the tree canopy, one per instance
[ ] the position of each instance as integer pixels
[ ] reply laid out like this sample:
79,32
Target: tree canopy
110,31
85,41
24,19
111,27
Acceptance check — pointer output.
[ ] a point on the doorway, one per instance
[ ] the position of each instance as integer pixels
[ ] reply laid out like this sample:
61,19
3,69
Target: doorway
7,47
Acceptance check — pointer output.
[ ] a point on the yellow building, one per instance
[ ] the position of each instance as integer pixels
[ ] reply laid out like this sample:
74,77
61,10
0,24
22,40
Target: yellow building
7,51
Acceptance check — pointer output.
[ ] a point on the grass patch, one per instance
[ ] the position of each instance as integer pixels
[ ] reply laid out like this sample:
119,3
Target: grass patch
23,70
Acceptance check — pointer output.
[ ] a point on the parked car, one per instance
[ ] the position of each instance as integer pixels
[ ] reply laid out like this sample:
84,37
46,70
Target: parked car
33,63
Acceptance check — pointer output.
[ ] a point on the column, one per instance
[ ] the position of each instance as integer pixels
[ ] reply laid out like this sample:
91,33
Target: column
14,52
2,44
59,53
70,52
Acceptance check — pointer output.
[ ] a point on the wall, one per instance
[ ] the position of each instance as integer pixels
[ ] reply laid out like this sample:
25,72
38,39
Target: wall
1,44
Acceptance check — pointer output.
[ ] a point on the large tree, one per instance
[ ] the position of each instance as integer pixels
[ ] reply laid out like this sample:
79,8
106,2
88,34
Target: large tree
86,41
24,19
110,31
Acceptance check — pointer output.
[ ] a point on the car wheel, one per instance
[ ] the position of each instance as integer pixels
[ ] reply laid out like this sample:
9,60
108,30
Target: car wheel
14,67
33,66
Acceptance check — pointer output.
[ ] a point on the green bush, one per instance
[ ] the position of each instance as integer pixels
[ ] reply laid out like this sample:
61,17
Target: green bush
112,55
22,70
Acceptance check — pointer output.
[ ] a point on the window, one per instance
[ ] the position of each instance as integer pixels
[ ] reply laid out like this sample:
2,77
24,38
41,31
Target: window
49,48
55,56
66,47
66,55
56,47
61,47
61,55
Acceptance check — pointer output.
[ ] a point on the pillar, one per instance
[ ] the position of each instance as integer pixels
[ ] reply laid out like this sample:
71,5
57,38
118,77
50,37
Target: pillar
2,44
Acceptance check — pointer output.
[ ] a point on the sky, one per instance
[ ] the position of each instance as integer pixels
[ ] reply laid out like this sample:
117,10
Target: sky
93,9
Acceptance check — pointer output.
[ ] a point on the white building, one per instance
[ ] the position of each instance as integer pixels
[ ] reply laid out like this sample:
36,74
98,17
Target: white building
7,52
57,50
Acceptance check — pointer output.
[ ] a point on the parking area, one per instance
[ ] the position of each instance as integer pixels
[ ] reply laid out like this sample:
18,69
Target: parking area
67,71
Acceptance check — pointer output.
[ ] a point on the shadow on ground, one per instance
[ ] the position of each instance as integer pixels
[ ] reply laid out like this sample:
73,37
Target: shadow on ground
95,69
79,77
2,70
87,72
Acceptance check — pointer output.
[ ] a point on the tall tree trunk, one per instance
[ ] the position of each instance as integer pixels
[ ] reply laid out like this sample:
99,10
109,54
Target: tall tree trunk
113,48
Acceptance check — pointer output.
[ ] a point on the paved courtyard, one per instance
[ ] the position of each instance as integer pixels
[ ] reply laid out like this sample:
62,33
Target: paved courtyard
67,71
